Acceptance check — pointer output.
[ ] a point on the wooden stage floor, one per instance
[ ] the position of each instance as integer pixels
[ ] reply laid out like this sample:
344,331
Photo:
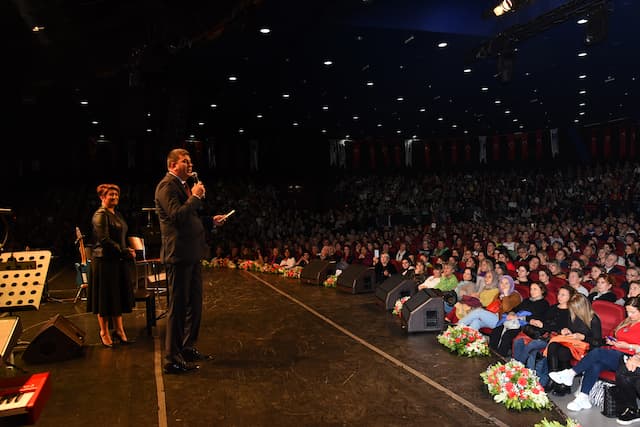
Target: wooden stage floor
286,354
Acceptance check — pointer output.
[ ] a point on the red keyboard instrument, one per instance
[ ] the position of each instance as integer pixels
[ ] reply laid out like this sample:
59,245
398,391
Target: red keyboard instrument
24,396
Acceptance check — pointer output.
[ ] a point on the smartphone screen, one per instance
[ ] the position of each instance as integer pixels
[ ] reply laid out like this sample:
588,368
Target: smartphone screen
376,253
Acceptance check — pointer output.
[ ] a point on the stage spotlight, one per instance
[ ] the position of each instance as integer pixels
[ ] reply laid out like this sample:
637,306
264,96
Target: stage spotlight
508,6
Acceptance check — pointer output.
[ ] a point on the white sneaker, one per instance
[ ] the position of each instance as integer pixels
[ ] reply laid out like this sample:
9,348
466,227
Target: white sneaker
579,403
563,377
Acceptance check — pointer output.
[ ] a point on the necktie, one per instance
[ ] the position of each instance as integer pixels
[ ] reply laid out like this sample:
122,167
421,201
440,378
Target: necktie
187,189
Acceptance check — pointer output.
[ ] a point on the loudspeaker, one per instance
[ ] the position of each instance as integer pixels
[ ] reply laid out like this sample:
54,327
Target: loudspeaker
357,279
57,340
395,287
317,271
424,312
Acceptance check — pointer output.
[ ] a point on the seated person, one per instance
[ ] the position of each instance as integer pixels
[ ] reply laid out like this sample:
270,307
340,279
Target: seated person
575,281
508,299
602,291
432,280
384,268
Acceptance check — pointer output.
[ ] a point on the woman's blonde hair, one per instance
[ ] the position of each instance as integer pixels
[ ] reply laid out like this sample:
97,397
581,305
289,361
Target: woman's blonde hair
580,307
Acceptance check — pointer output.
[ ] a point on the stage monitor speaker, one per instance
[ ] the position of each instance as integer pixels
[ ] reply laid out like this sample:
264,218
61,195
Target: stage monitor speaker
357,279
57,340
424,312
395,287
317,271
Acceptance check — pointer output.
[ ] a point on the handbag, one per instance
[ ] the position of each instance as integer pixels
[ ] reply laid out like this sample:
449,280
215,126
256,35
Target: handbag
609,404
578,348
532,332
596,395
494,306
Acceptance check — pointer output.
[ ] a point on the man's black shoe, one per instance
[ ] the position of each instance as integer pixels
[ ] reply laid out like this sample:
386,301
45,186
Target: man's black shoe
180,367
193,355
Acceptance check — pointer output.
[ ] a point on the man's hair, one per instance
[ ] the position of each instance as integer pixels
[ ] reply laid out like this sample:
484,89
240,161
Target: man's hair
174,155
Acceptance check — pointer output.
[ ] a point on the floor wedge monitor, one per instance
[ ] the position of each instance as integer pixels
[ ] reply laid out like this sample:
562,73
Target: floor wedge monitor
424,312
357,279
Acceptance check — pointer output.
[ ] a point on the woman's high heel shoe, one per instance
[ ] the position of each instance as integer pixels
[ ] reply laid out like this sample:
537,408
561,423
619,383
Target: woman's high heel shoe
104,343
122,341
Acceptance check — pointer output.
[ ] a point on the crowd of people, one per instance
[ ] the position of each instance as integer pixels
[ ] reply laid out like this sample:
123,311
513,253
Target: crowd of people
568,237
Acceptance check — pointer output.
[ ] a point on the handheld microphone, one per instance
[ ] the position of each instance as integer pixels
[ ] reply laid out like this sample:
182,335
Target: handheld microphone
194,175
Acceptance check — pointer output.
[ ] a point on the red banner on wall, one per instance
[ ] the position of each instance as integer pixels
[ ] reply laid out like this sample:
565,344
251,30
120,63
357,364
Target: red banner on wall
538,145
606,149
511,147
495,148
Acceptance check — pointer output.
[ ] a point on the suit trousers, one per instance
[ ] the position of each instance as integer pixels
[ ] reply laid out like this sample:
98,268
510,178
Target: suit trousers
184,316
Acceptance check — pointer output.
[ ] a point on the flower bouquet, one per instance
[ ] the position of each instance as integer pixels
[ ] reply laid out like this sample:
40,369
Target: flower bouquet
516,386
293,273
397,308
247,265
330,281
464,341
547,423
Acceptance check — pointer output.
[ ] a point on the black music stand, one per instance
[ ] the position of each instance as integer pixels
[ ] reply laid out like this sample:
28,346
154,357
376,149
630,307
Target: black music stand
22,280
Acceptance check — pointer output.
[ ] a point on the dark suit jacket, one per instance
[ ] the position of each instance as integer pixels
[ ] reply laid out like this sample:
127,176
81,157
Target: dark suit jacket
183,234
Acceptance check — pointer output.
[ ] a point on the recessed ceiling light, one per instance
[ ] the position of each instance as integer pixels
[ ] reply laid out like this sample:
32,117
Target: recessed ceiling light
515,120
323,131
582,92
212,106
582,54
379,125
582,104
582,21
467,70
148,130
233,78
328,62
37,29
355,117
325,107
369,83
497,101
192,136
399,98
442,45
398,131
507,111
454,126
265,30
259,116
347,136
148,114
94,122
285,95
295,123
582,76
581,113
440,119
422,110
200,123
240,130
521,126
101,135
466,131
484,88
575,120
84,102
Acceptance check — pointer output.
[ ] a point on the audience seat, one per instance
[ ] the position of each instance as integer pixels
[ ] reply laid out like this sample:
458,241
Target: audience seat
610,314
523,290
551,297
620,293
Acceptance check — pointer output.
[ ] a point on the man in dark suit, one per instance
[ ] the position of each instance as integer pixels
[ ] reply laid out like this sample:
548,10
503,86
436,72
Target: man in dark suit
183,247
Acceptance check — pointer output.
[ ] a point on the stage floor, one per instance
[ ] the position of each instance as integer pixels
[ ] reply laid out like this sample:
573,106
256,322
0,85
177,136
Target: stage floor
286,354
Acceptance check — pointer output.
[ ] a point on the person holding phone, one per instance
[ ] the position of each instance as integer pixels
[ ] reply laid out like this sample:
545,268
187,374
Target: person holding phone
383,267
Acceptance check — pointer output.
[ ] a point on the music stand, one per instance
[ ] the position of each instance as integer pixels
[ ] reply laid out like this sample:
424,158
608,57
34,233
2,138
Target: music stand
22,279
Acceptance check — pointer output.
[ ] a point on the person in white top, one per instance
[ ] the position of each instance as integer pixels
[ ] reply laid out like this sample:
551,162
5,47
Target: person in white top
433,280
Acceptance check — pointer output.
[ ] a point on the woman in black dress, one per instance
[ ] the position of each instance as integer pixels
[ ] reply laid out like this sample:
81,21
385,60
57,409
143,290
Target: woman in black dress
110,292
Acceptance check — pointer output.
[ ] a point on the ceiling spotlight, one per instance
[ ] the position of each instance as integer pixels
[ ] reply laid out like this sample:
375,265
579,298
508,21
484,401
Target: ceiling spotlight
399,98
325,107
286,95
497,101
323,131
398,131
259,116
379,125
265,30
507,6
582,54
442,45
582,21
200,123
356,117
240,130
484,88
454,126
94,122
295,124
369,83
582,76
581,113
507,111
582,92
148,130
466,70
422,110
37,29
83,102
233,78
213,105
440,119
328,62
582,104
